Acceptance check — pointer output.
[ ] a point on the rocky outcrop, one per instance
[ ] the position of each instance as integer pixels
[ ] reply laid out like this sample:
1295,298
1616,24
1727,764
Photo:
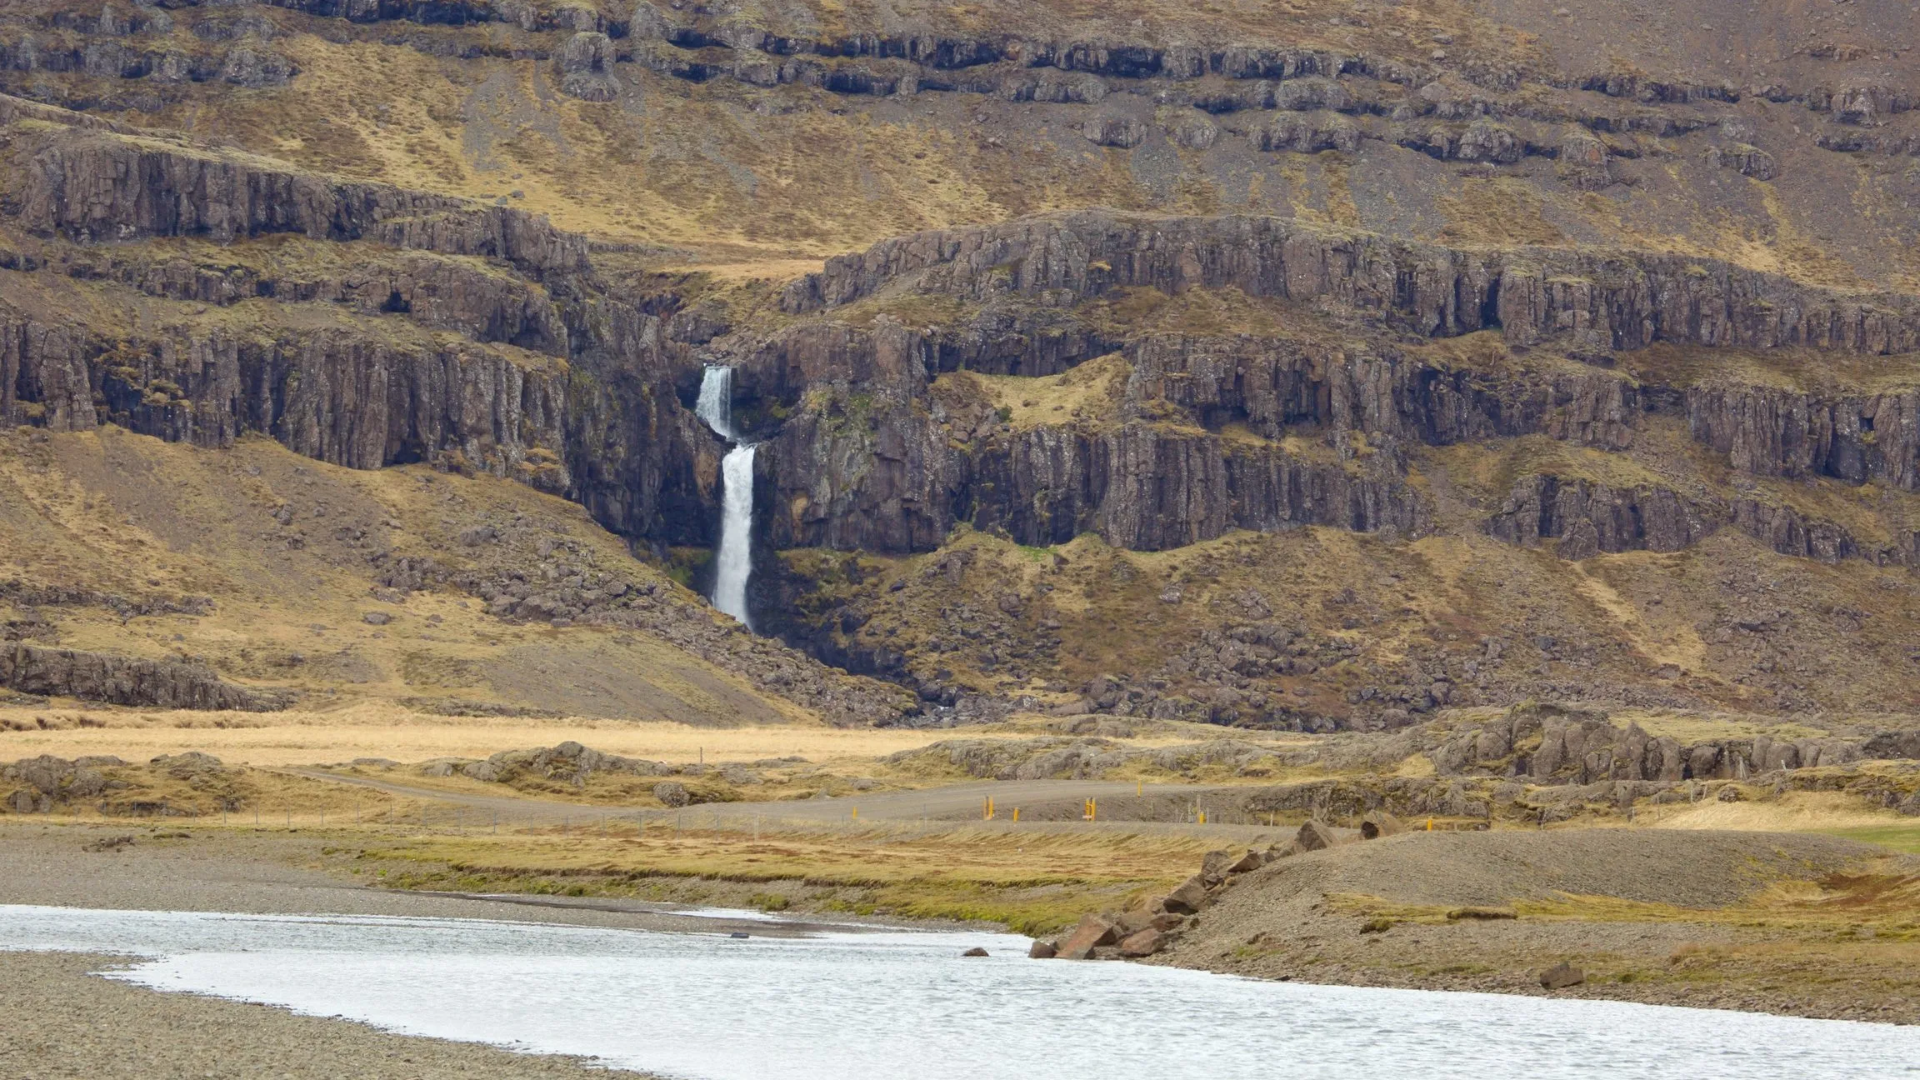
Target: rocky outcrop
96,187
1773,431
46,781
1088,758
1589,517
444,293
1145,488
121,680
586,66
1619,301
345,398
898,487
1272,384
1548,745
1743,159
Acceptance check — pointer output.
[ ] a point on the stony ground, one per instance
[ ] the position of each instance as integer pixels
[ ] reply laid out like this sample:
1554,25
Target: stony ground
64,1021
1662,917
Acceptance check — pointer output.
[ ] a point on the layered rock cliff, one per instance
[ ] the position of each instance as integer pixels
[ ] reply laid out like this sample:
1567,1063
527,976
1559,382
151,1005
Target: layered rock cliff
1388,302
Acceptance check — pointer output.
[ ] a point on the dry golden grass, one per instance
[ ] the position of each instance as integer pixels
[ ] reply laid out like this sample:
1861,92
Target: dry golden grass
1793,811
1090,391
131,515
1881,893
378,729
1034,879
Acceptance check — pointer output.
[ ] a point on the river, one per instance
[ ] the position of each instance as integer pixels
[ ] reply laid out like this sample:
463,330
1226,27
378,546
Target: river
865,1004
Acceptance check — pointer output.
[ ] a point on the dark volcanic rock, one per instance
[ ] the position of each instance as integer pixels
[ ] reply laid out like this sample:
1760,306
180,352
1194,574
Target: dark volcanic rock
122,680
1591,518
1617,301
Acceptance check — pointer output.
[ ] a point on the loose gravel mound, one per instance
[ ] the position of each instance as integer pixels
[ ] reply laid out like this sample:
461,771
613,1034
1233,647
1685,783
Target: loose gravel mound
1684,868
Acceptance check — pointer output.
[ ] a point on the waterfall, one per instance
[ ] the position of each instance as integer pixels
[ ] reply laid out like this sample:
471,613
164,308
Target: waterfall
734,562
716,401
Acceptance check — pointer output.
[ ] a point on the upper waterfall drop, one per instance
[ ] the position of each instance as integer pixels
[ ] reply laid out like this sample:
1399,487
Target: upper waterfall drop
733,563
715,404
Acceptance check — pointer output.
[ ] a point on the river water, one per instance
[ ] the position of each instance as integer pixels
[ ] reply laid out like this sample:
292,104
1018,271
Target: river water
903,1005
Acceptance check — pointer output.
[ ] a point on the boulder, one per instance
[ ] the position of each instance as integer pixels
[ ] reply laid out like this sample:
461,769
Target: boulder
1379,824
1119,131
1562,975
1092,933
188,765
586,64
976,951
1042,950
1214,867
672,794
1318,835
1189,898
1145,943
1283,851
1252,860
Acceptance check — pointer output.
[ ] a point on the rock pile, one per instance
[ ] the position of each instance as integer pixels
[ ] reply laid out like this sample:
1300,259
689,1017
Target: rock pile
572,763
46,780
1144,931
125,680
1057,758
46,783
1548,744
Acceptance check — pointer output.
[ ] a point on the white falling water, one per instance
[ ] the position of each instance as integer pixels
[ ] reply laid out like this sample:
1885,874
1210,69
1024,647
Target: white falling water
736,527
735,560
716,401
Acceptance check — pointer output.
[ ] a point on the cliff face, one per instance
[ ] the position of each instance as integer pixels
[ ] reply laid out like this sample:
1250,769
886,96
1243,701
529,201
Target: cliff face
329,395
1196,439
1591,518
364,325
1470,366
1858,438
1618,301
120,188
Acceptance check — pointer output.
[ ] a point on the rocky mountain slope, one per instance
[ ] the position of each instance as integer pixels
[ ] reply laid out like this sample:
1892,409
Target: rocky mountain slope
1311,365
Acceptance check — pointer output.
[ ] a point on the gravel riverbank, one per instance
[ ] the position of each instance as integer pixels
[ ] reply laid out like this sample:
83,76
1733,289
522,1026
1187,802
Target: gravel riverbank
66,1023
